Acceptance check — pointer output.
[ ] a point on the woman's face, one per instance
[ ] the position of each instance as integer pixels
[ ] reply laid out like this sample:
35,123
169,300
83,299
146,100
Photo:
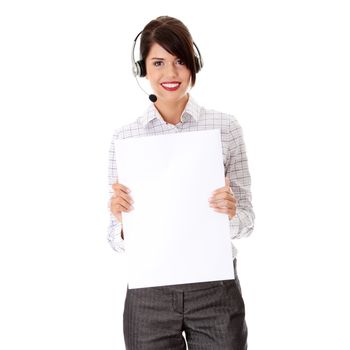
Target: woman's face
168,75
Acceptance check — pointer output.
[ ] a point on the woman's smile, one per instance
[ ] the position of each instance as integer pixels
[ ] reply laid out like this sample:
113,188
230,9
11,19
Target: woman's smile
171,85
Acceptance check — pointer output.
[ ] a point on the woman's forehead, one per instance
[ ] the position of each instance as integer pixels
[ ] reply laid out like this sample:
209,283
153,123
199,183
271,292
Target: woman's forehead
157,51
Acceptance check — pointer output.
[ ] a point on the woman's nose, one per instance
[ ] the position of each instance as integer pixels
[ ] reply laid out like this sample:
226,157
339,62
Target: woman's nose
171,69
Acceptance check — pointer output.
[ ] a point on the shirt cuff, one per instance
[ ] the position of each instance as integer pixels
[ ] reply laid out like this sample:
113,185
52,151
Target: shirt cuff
115,237
242,224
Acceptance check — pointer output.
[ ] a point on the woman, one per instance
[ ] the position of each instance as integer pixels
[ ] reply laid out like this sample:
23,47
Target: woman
211,314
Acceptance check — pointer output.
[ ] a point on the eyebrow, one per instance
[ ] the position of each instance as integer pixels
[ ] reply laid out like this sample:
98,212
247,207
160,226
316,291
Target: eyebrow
157,58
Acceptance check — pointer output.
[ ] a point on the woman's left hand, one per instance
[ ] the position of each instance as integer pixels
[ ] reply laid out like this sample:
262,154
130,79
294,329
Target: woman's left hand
223,200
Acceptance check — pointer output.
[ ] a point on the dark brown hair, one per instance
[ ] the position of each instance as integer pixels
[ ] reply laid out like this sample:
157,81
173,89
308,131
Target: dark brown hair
174,37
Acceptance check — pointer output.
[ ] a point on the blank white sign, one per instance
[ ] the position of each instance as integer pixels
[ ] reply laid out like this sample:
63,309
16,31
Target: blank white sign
173,236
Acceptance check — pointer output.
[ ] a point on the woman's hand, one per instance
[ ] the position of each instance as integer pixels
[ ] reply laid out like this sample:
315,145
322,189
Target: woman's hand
120,201
223,200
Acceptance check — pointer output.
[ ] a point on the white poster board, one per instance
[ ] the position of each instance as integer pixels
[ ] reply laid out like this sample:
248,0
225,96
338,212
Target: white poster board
173,236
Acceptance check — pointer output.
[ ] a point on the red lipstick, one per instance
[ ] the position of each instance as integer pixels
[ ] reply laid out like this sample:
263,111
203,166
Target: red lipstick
171,85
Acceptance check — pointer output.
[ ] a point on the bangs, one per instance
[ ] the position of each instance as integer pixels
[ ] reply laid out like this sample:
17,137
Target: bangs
174,45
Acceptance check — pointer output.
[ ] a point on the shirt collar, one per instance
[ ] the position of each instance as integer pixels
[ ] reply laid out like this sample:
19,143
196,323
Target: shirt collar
192,109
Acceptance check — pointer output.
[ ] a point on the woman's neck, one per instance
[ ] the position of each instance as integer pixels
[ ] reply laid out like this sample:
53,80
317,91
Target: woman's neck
171,111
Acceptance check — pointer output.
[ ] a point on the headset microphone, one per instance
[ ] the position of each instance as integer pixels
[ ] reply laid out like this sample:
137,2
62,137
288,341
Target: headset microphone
152,97
139,70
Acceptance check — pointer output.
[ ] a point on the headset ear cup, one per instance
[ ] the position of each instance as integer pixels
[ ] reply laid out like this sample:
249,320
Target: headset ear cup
197,64
137,69
141,68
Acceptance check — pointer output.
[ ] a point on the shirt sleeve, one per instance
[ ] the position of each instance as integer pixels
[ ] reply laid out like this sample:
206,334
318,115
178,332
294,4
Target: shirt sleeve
114,228
242,224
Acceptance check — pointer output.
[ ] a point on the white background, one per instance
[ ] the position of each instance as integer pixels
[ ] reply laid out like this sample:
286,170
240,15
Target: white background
281,67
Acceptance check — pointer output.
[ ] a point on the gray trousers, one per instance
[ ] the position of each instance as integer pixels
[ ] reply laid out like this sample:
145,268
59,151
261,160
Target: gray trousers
211,314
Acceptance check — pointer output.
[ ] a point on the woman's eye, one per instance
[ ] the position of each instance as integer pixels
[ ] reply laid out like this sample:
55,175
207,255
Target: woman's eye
181,62
157,63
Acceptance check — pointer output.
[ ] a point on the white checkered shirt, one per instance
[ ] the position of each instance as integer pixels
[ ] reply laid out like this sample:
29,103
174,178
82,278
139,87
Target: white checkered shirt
194,118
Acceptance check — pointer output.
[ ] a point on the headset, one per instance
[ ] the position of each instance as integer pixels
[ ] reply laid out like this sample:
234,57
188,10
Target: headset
139,67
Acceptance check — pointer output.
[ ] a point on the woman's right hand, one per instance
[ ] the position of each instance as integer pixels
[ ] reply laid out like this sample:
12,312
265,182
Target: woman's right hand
121,201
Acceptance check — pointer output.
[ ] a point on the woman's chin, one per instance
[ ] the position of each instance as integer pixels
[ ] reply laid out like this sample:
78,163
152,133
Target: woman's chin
171,97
